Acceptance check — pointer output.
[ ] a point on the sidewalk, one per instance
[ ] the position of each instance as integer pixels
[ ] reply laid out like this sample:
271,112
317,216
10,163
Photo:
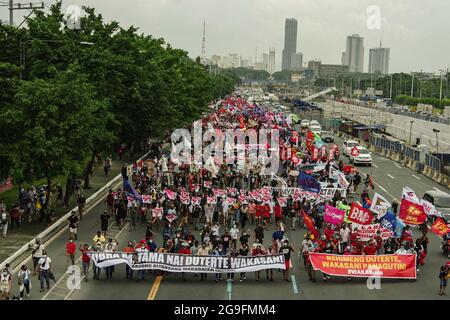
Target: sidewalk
16,239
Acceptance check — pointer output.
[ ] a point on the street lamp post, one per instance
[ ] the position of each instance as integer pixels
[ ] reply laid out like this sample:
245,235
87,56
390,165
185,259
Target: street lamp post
390,92
442,77
437,143
410,132
22,49
412,84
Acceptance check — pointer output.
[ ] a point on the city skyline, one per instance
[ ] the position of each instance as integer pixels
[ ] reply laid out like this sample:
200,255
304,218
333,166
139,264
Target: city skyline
406,27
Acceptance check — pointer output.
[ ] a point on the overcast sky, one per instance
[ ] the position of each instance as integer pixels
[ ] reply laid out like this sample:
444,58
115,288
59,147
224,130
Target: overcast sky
417,31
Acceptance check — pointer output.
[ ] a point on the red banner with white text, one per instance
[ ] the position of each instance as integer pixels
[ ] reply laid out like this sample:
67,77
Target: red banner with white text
385,266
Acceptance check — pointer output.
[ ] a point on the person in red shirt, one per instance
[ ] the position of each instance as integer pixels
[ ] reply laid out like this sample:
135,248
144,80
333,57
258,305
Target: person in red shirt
266,214
328,231
258,250
277,211
71,248
110,202
322,243
370,249
379,241
185,249
84,249
143,244
259,212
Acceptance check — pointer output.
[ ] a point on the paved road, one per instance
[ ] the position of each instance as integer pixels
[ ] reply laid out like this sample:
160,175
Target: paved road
426,286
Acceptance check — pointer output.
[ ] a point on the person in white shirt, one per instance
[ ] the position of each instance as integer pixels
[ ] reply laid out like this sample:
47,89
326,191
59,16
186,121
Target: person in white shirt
142,248
234,233
44,268
345,234
36,254
215,231
110,248
24,281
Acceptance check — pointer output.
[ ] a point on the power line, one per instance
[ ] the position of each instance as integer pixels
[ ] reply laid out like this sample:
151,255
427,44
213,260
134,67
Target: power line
22,6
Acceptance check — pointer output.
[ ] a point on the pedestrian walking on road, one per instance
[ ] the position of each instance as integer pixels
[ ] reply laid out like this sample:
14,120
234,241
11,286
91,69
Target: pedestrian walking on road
24,281
44,269
81,201
36,254
4,221
104,218
5,284
73,225
444,275
286,250
97,270
84,249
71,248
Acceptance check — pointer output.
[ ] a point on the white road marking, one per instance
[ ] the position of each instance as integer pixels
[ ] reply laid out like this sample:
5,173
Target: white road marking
374,165
390,176
416,177
436,189
397,166
386,191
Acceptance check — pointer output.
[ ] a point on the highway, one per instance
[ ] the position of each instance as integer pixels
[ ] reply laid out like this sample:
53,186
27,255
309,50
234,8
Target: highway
389,177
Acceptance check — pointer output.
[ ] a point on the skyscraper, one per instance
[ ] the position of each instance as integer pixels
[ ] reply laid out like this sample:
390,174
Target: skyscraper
265,57
354,53
271,67
379,60
290,43
296,61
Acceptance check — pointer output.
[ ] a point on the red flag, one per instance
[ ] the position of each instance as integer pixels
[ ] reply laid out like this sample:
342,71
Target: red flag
440,227
360,215
412,213
309,222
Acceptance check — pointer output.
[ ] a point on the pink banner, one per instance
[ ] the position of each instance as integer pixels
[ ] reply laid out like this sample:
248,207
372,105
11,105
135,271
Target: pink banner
333,215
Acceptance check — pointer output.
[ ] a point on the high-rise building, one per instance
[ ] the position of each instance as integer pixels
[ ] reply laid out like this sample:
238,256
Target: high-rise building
265,61
379,60
354,53
314,65
296,61
271,67
290,43
235,60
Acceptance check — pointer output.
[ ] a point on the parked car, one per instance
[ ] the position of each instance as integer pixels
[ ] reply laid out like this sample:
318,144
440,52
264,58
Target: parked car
348,145
327,136
441,200
363,157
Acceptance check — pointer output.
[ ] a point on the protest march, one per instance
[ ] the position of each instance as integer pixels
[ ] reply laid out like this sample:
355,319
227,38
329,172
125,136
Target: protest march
242,171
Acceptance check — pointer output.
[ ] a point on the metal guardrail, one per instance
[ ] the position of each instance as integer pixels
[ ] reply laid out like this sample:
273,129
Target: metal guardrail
433,162
62,222
425,117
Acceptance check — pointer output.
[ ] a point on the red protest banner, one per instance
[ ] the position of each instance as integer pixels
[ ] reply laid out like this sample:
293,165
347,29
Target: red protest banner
412,213
385,266
440,227
309,222
360,215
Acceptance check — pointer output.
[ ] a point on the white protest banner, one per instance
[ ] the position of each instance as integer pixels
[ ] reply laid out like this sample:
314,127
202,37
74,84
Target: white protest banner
230,200
379,205
410,195
342,181
211,200
207,184
157,212
171,217
196,200
184,199
172,262
367,232
146,198
430,209
232,191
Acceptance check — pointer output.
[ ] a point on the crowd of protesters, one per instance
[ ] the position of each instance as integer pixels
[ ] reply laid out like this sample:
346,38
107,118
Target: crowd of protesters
231,228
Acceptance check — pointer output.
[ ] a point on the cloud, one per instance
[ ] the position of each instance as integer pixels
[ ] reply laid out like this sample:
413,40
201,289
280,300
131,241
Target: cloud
415,30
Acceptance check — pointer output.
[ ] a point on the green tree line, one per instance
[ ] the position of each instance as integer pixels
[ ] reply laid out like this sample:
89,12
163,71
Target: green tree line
81,92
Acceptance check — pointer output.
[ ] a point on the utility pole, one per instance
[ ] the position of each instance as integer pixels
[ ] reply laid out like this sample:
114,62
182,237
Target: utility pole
390,92
442,77
20,6
412,84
